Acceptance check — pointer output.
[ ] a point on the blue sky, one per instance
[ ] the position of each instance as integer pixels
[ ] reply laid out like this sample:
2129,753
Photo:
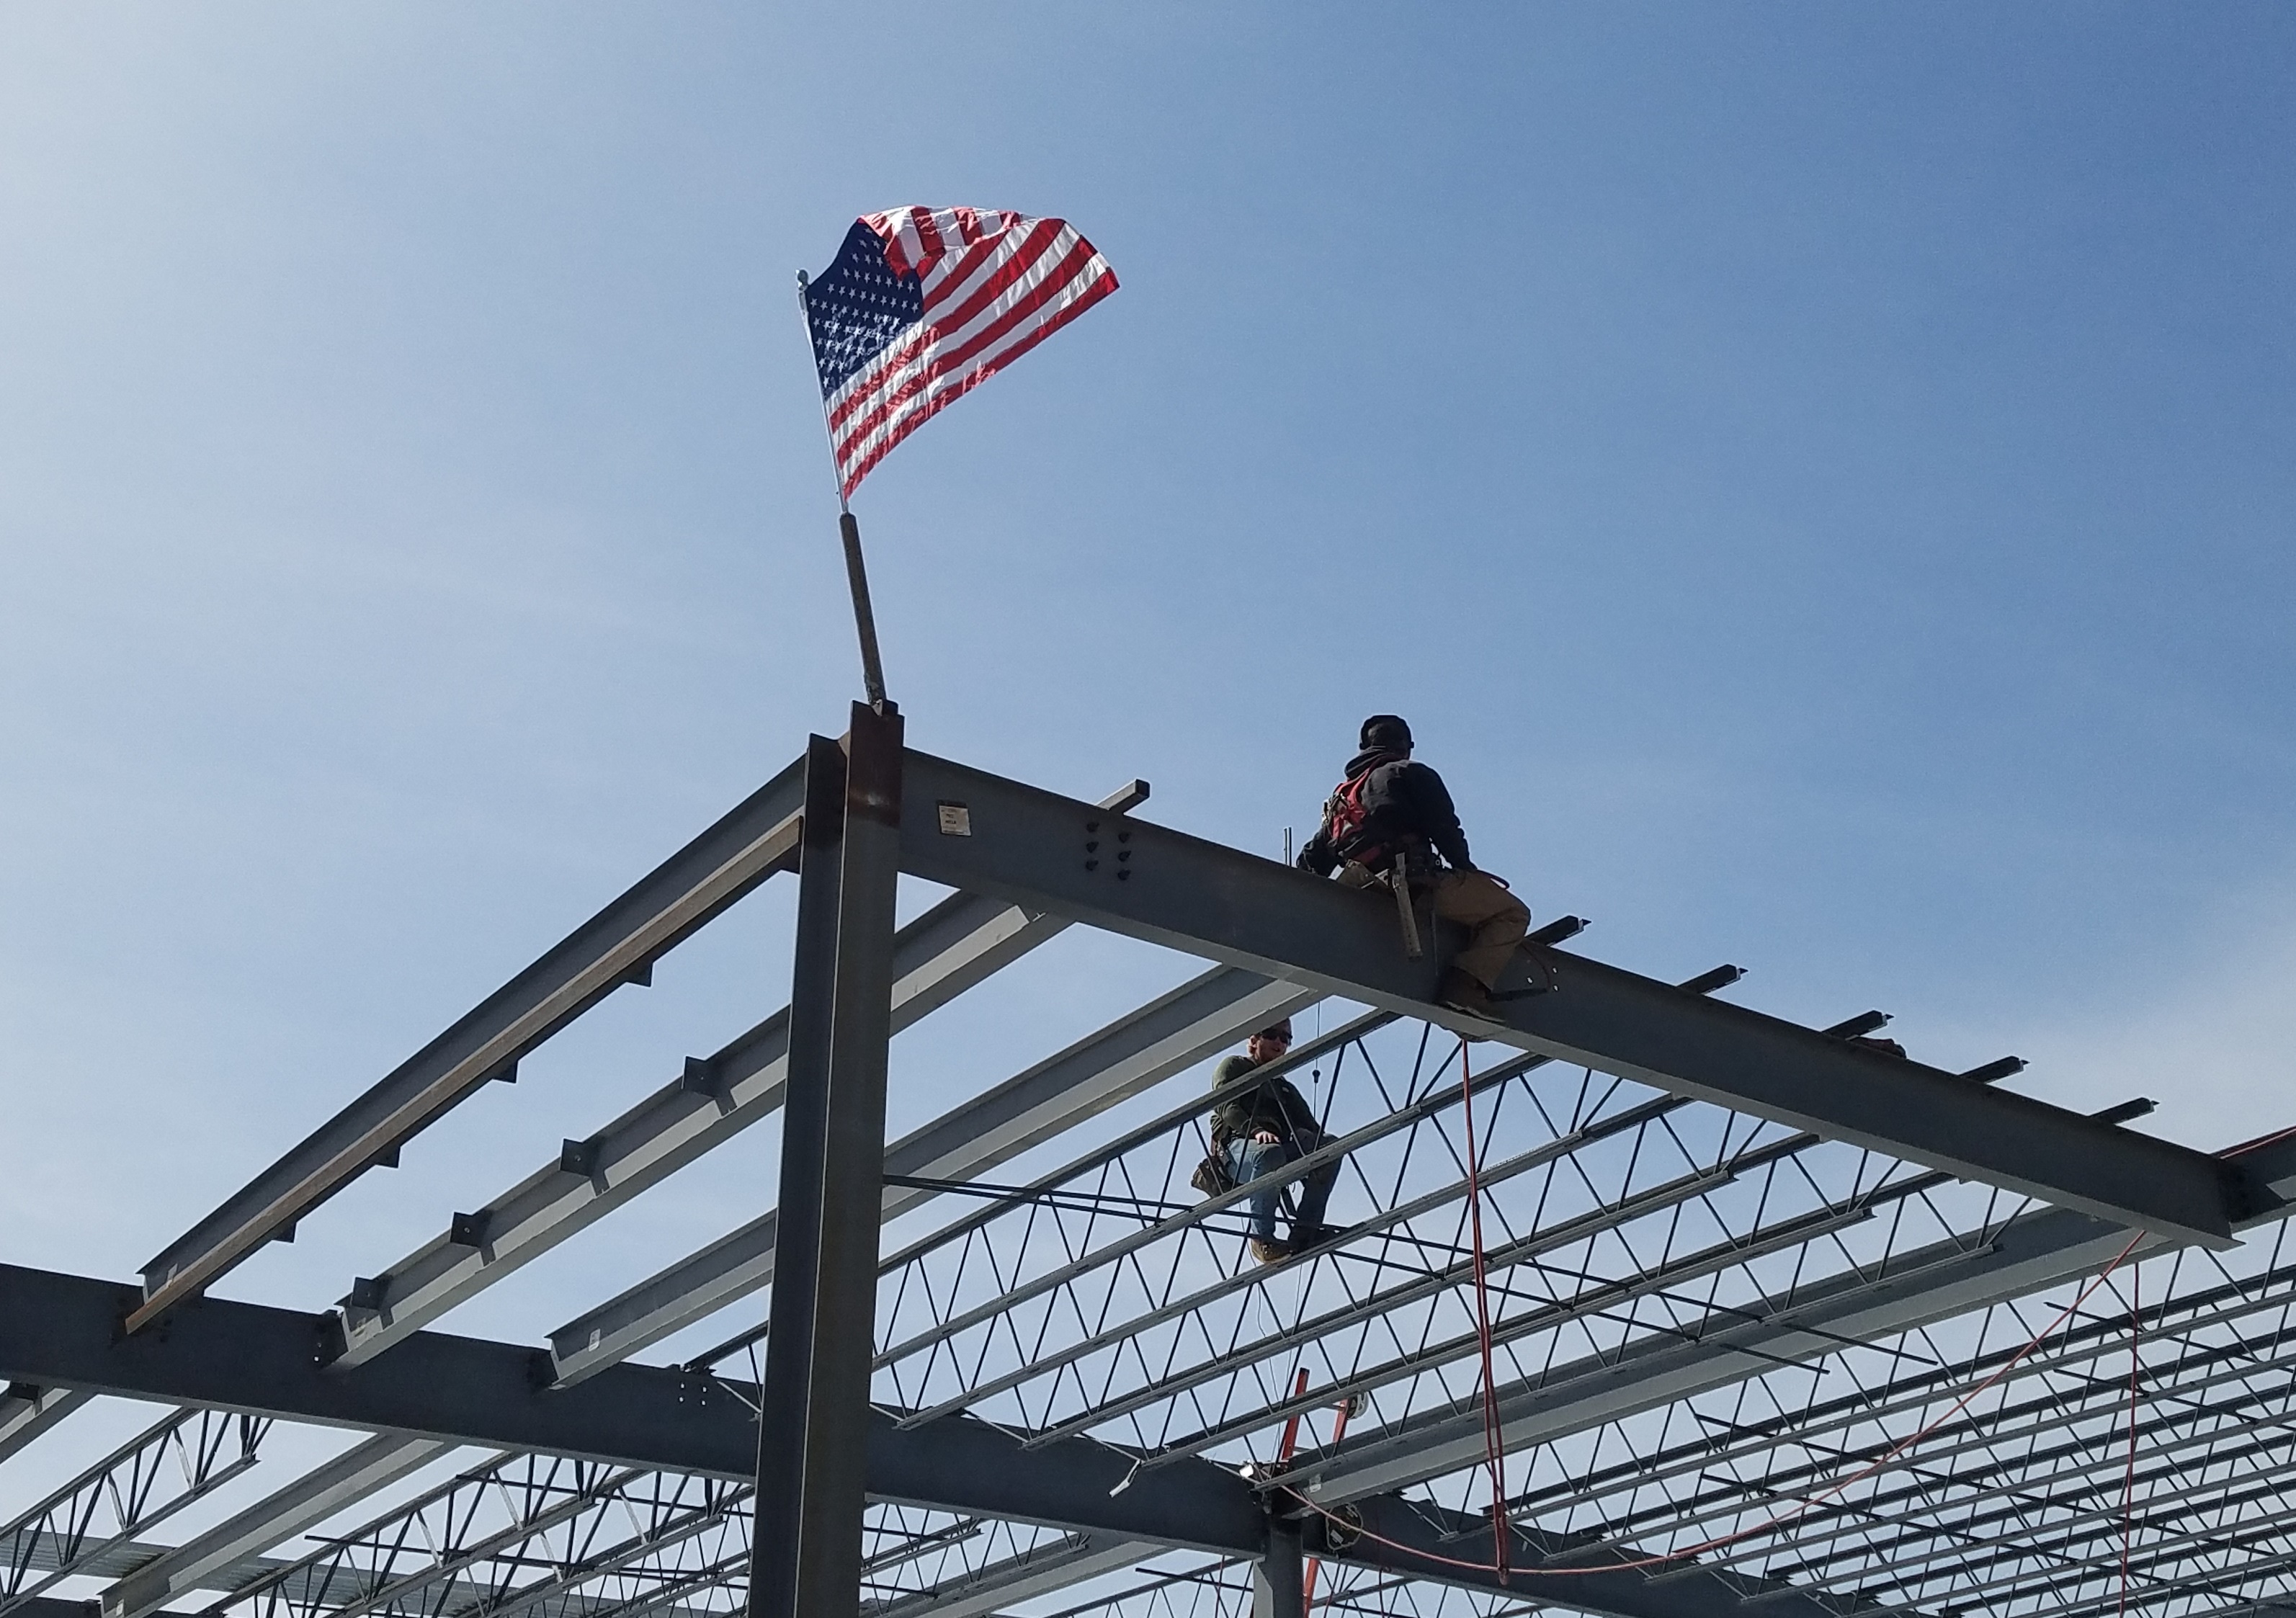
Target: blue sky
1818,478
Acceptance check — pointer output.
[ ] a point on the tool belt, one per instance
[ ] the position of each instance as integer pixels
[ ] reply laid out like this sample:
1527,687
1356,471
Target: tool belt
1405,882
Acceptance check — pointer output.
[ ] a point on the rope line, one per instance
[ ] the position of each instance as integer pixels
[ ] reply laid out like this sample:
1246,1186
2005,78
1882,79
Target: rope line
1505,1575
1493,1437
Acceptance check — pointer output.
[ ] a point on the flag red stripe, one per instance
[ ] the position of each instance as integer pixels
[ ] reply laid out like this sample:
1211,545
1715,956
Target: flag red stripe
1017,263
1099,288
937,360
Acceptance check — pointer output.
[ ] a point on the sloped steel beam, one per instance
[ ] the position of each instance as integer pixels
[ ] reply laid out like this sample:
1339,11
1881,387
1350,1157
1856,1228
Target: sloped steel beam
1929,1285
1147,882
25,1412
1138,1050
310,1500
952,946
749,844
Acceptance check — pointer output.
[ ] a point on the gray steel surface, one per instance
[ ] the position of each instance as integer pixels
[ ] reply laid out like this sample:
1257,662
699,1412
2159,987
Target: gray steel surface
1168,887
303,1503
2081,1469
813,1419
25,1412
62,1330
952,946
746,846
1138,1050
1069,1560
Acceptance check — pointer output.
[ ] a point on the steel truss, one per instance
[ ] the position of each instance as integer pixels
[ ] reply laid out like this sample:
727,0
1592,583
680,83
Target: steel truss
181,1459
1772,1316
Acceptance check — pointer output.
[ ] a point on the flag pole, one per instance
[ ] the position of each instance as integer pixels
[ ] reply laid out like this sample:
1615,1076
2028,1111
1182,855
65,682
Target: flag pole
864,622
856,573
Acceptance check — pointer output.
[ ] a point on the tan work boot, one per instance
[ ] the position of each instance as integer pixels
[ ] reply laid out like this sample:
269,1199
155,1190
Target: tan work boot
1268,1249
1461,992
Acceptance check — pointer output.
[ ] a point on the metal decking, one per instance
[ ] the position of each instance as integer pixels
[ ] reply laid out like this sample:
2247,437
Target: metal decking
1778,1322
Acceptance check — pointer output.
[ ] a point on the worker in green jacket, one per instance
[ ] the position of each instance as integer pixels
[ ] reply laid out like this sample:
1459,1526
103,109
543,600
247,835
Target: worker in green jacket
1261,1128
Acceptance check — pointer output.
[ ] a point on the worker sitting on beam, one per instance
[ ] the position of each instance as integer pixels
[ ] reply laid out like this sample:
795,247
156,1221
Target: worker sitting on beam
1257,1127
1390,815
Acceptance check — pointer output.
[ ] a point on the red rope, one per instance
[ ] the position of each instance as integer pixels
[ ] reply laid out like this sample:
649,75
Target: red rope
1494,1436
1504,1574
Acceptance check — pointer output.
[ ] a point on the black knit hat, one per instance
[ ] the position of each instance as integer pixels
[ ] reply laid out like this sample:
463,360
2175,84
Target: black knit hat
1276,1030
1385,730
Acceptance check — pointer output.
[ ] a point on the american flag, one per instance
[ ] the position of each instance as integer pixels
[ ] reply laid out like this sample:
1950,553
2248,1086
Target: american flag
923,303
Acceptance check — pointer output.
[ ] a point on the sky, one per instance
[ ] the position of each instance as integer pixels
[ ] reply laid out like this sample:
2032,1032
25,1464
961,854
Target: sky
1817,479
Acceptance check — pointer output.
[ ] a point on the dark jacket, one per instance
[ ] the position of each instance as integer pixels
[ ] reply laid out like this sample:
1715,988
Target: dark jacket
1406,809
1274,1104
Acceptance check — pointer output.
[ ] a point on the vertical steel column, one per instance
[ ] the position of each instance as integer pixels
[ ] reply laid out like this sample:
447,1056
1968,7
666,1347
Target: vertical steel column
1277,1591
813,1425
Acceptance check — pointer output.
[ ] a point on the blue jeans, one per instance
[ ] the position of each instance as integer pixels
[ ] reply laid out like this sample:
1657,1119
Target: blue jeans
1249,1159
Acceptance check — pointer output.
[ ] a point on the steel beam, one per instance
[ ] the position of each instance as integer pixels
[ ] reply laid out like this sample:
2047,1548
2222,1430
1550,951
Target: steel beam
812,1418
955,944
25,1412
308,1500
1278,1578
1135,1052
950,948
61,1331
745,847
58,1606
1419,1540
1068,1561
1929,1285
83,1525
1147,882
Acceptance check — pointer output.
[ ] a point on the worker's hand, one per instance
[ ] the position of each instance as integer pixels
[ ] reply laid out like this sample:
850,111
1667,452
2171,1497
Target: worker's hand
1266,1138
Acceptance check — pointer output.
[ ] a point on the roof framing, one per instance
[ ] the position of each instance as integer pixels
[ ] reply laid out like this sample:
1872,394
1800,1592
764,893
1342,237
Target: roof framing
1027,864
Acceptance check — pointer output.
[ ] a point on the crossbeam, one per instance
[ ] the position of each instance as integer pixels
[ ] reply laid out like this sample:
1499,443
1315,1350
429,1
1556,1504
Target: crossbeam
2031,1254
62,1331
1139,1049
1147,882
754,840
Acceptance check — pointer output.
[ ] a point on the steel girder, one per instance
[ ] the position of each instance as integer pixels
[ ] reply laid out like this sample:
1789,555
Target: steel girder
303,1503
27,1411
2040,1251
958,942
617,946
521,1533
246,1358
1069,1560
1039,849
1138,1050
183,1457
1570,1571
62,1330
952,946
813,1420
2237,1191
